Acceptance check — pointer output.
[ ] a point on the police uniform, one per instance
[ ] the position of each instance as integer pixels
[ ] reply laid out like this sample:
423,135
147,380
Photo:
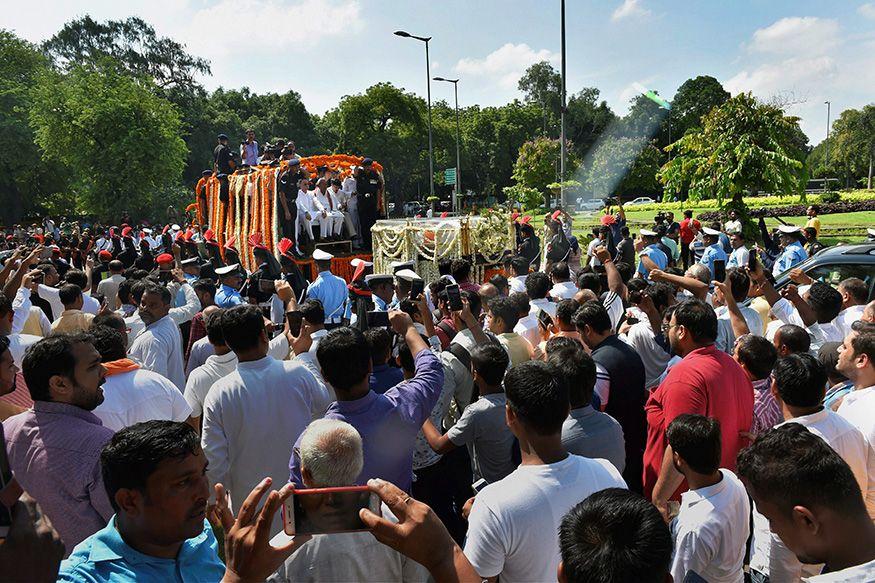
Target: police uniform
227,296
330,290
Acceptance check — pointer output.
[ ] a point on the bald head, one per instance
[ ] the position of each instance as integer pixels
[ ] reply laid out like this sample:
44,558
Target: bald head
585,295
487,292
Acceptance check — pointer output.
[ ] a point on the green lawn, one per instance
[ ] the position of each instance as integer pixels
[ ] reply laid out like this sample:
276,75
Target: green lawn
835,228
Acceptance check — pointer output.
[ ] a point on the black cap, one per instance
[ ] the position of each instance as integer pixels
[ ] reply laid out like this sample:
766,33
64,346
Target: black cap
223,137
207,173
295,162
321,168
367,162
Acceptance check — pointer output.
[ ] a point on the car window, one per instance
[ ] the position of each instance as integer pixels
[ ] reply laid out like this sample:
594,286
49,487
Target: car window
833,274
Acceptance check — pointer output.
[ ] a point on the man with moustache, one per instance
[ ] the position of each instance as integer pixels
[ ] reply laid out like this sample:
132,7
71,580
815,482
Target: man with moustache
54,448
159,347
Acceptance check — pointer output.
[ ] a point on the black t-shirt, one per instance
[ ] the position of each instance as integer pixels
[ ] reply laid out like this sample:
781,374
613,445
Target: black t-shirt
289,183
223,156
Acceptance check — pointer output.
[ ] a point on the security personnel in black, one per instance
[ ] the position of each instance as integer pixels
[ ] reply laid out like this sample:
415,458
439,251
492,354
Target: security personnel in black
223,165
369,186
288,191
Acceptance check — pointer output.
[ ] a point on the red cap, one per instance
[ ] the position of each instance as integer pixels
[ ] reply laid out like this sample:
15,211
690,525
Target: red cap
255,240
55,249
105,255
230,243
164,258
180,236
514,216
188,235
284,245
445,214
608,220
359,271
126,232
165,229
10,237
556,215
210,237
526,220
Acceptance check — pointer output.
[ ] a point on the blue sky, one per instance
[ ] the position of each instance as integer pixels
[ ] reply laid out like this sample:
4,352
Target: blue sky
798,51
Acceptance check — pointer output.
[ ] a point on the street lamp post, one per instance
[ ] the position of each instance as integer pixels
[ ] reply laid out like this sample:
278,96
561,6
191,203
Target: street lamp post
425,39
562,118
458,185
828,105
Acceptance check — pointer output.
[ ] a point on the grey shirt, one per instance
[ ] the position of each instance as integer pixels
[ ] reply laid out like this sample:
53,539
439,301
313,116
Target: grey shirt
593,434
483,429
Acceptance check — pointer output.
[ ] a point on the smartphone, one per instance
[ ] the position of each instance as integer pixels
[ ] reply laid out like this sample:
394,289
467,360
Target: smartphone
544,319
719,270
752,260
417,286
295,319
454,295
479,485
328,510
266,286
378,319
5,480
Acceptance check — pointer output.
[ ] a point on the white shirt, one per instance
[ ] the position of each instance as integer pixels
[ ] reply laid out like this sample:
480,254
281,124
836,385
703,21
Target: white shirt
564,290
655,358
109,288
140,395
18,344
785,311
251,421
536,306
847,317
202,378
864,573
858,407
328,201
159,349
528,328
590,251
307,203
770,555
725,333
517,283
514,522
738,258
201,350
711,531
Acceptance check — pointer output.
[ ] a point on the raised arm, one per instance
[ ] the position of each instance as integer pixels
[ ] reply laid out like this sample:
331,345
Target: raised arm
736,318
615,280
693,285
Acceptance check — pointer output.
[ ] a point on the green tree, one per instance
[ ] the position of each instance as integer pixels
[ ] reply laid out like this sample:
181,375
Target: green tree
743,145
119,140
26,181
853,135
693,99
133,44
645,121
537,163
623,166
542,85
586,120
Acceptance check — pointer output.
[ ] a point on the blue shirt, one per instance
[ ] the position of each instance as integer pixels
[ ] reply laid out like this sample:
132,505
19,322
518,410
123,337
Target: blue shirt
656,255
389,423
105,556
228,297
793,254
331,291
711,254
384,377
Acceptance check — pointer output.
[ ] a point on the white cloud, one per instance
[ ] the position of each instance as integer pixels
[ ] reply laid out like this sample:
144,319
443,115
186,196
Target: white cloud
797,35
867,10
506,64
628,9
231,26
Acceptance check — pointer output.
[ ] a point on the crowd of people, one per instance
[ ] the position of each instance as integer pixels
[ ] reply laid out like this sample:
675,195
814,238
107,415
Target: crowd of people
634,409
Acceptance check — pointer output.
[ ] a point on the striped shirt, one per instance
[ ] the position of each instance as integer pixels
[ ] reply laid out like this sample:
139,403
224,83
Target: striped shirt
766,411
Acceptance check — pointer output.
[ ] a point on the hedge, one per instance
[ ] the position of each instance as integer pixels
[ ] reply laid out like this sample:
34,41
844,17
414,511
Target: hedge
755,202
796,210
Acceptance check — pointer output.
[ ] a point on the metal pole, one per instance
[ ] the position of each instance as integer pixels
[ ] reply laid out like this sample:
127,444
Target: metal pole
669,134
430,151
458,157
826,179
562,117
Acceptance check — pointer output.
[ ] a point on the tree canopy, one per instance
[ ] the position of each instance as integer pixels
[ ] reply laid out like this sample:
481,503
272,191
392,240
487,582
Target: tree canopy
743,145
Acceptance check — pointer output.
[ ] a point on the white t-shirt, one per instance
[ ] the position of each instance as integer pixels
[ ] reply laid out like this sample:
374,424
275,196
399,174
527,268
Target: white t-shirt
137,396
536,306
159,349
711,530
201,379
514,522
847,317
858,407
864,573
517,283
655,358
528,328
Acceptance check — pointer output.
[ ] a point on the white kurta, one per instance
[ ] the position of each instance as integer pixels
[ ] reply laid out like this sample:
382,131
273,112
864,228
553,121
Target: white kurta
252,419
159,349
140,395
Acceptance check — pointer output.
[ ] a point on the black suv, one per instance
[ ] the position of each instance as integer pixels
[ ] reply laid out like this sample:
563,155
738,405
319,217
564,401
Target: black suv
833,264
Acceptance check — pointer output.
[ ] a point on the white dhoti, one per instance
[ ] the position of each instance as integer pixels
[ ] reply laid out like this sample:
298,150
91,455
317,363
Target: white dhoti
307,224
